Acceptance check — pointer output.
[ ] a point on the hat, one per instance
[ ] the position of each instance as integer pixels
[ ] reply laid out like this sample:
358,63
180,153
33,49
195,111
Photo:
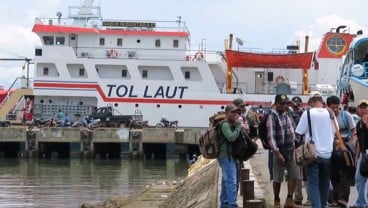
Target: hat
314,94
231,107
238,102
296,99
281,98
363,102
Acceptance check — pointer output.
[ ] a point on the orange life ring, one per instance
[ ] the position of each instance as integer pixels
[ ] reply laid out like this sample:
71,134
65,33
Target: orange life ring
112,53
198,56
280,79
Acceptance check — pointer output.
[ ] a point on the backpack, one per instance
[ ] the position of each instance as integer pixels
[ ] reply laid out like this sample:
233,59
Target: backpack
262,130
208,141
243,147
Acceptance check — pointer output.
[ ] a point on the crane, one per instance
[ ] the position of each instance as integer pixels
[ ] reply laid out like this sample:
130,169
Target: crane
27,60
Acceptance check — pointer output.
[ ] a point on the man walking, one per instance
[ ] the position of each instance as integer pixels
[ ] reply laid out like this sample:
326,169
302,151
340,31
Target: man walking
318,172
230,130
282,142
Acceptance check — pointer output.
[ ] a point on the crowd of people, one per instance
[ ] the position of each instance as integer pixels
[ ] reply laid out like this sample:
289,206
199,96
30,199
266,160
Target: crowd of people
326,180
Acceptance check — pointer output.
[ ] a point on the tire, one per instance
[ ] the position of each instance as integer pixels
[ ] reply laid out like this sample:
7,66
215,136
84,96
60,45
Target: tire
159,125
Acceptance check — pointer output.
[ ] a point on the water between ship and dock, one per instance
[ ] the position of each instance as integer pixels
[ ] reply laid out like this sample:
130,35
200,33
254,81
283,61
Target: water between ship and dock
69,183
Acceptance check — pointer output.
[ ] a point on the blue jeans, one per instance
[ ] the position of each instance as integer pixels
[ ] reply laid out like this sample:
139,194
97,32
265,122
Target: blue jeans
361,186
318,178
228,196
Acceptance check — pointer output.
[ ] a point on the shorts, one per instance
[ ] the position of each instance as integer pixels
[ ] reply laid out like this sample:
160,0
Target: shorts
293,170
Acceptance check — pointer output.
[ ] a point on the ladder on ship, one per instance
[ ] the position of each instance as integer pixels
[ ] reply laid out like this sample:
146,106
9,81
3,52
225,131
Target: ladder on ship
13,98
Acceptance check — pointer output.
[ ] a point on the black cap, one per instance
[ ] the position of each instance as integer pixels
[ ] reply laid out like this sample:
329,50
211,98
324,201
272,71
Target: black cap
296,99
282,98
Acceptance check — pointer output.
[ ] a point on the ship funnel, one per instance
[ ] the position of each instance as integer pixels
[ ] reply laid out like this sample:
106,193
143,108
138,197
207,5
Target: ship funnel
339,28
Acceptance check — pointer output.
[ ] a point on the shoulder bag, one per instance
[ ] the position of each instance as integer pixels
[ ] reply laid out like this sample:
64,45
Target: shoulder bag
345,151
363,167
306,153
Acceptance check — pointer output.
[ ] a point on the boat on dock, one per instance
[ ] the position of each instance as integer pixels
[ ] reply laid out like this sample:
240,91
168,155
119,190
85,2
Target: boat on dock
148,68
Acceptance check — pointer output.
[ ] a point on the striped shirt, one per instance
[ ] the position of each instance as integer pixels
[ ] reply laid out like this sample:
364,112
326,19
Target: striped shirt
280,132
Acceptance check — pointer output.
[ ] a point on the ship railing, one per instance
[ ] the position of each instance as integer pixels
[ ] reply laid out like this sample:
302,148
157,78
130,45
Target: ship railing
19,82
114,24
271,88
149,54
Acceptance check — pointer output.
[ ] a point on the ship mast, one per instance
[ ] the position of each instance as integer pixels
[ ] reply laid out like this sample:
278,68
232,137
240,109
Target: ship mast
229,87
305,71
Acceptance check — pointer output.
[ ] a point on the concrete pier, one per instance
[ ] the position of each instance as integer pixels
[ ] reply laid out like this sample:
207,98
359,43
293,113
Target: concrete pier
153,143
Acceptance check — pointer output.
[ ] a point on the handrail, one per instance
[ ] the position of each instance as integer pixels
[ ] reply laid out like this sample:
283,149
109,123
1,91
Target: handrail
9,91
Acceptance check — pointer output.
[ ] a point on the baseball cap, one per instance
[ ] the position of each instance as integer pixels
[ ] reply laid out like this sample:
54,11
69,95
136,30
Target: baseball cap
296,99
231,107
314,94
363,103
238,102
281,98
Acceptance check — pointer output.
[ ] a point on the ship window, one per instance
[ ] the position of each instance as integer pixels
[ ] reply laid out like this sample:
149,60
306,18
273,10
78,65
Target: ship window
38,52
102,41
81,72
48,40
187,75
60,40
176,43
124,73
46,71
158,43
131,54
155,72
144,73
191,73
119,42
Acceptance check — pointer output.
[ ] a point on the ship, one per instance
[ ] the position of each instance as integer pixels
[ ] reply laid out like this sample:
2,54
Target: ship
149,68
353,82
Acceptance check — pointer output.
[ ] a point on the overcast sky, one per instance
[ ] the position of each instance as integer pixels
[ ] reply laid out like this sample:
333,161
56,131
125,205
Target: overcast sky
261,24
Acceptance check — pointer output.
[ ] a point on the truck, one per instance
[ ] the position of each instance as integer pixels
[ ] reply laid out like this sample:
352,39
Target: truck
109,119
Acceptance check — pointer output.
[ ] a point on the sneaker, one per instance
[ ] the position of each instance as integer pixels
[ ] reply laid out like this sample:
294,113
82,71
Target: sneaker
342,203
298,202
290,203
307,203
276,203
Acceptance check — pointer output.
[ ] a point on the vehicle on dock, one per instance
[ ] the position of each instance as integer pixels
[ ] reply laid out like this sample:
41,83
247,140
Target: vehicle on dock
108,118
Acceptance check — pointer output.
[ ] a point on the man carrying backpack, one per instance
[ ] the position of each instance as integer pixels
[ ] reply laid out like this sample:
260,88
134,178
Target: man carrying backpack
281,137
230,130
342,177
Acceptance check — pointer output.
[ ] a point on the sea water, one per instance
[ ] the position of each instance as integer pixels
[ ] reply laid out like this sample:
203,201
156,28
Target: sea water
69,183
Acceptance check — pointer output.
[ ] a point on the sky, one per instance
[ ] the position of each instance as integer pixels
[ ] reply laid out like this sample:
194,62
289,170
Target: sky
262,24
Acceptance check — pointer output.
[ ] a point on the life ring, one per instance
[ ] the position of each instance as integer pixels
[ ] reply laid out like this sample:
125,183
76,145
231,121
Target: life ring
112,53
280,79
198,56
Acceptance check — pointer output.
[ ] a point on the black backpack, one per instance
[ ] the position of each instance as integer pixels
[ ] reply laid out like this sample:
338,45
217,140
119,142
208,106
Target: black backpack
243,147
262,129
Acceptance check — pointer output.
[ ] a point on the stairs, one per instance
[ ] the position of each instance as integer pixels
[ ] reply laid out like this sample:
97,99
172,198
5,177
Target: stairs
10,101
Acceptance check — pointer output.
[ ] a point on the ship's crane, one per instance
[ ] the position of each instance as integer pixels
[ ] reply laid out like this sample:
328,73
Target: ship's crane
28,62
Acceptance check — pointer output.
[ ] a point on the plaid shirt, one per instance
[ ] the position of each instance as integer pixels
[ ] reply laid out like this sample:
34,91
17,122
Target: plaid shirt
280,133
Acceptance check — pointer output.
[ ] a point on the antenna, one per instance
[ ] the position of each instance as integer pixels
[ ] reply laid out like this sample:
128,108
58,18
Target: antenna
59,14
239,41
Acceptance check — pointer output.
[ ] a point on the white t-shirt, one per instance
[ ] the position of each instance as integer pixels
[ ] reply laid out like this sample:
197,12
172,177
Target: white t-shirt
323,131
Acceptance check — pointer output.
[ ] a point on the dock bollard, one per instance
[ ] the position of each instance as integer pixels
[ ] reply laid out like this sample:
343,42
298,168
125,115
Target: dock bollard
244,175
254,203
248,190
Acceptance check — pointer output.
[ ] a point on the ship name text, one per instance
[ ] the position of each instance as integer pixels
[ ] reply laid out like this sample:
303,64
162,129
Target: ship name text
169,92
